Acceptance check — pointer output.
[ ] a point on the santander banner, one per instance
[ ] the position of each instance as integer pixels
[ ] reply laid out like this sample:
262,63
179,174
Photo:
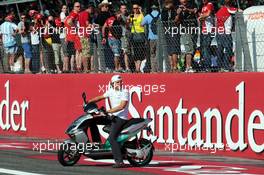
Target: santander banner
205,113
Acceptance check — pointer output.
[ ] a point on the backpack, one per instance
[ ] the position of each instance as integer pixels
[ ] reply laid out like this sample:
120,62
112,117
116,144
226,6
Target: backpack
153,24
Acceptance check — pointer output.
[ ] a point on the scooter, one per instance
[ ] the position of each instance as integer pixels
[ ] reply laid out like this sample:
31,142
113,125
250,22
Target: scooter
138,151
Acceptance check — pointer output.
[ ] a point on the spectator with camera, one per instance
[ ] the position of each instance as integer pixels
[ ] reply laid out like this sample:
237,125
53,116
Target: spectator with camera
137,36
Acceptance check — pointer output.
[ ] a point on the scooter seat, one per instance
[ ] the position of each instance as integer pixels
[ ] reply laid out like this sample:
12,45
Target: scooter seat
132,122
107,128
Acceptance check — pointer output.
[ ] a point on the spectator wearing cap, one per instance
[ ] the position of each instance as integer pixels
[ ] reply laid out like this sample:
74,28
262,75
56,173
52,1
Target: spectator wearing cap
8,31
224,34
37,63
188,21
208,23
152,21
105,54
170,20
104,12
72,38
23,27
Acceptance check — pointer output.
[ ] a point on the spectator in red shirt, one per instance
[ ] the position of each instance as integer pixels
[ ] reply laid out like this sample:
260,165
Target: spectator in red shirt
113,24
72,38
84,34
224,34
207,20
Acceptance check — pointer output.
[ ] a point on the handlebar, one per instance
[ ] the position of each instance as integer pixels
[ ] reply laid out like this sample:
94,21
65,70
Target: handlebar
84,98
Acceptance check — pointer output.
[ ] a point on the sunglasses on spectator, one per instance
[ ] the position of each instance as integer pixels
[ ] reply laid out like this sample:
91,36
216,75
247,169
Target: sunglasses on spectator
23,17
136,8
77,6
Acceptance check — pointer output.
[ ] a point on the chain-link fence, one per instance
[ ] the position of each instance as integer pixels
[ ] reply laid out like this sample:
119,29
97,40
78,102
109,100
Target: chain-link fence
167,46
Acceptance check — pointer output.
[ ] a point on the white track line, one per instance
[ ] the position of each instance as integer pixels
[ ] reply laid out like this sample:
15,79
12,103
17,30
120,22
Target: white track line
12,146
15,172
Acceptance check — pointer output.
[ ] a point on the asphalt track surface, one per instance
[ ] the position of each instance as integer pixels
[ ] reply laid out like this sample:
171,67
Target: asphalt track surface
18,157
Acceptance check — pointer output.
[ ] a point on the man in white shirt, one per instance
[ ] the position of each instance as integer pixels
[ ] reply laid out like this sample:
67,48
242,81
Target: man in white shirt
8,31
119,99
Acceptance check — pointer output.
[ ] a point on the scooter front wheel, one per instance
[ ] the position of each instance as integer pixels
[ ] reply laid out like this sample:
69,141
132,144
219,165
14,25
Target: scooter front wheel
68,157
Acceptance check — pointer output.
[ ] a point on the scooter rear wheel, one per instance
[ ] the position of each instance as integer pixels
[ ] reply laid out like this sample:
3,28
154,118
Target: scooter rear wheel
142,162
68,157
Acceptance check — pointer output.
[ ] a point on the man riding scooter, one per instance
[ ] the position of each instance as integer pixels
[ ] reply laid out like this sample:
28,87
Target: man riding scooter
118,98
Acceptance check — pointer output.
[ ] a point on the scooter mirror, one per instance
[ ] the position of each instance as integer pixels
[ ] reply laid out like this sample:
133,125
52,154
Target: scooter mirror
84,97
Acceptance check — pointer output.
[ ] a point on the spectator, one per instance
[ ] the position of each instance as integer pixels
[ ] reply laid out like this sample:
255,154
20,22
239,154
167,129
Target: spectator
72,39
207,20
8,31
23,27
35,44
224,34
170,19
56,43
113,24
125,35
85,28
92,37
48,56
188,21
38,21
104,12
63,13
214,64
151,20
45,11
137,36
104,53
63,16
